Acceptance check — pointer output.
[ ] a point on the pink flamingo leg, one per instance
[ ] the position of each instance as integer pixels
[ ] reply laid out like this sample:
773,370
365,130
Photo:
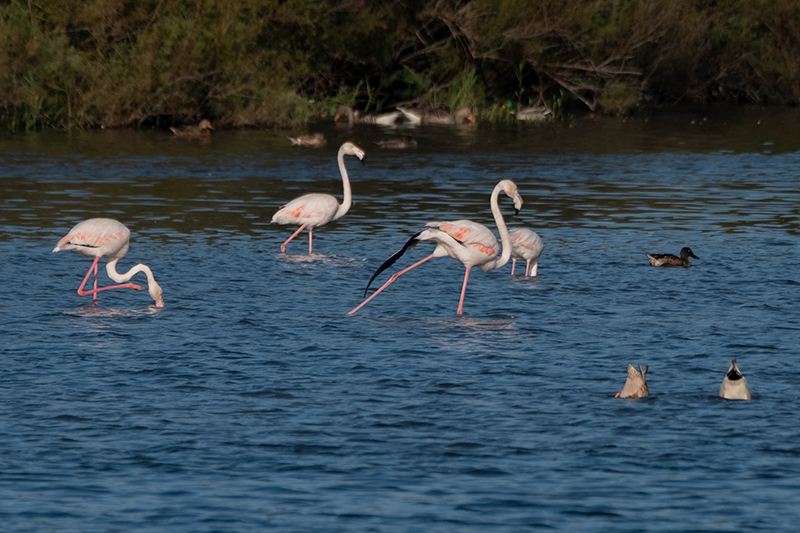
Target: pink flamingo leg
463,292
528,268
92,268
94,291
94,296
309,240
513,264
391,280
283,246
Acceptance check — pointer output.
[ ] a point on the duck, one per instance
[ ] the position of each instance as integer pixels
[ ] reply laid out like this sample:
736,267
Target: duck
355,117
201,130
635,385
436,116
672,260
315,140
398,144
531,114
526,245
734,385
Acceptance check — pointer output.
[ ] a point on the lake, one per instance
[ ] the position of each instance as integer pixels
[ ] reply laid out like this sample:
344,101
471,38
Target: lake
252,402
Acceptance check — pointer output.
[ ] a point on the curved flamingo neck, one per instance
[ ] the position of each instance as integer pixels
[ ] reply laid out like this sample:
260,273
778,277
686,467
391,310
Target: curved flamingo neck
152,287
505,238
111,269
347,201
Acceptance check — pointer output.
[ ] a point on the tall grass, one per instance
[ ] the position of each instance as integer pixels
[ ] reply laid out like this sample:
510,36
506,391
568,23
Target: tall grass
91,63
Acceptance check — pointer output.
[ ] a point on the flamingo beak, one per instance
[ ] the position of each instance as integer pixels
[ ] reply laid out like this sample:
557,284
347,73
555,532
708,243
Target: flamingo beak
617,395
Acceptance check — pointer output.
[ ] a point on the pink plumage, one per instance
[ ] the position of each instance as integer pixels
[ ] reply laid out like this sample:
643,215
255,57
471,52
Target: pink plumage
314,210
526,245
105,237
471,243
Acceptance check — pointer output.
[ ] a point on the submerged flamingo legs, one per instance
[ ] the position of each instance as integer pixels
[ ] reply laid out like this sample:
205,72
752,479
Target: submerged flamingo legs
283,246
391,280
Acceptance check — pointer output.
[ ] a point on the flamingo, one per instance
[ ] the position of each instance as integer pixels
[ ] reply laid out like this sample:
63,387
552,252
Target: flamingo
315,210
105,237
469,242
526,245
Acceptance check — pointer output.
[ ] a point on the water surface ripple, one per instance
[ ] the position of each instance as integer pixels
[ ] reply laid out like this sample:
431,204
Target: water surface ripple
252,402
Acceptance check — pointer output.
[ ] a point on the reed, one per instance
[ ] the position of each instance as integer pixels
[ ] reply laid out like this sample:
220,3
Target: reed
114,63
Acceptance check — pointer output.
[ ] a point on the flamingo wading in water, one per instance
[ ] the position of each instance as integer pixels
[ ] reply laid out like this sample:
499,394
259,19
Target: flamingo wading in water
106,237
469,242
315,210
526,245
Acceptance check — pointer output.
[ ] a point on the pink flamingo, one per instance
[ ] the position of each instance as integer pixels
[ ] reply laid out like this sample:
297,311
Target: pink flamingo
105,237
526,245
469,242
315,210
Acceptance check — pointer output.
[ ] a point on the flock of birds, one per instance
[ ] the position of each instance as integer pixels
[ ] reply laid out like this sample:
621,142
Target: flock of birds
410,116
734,384
471,243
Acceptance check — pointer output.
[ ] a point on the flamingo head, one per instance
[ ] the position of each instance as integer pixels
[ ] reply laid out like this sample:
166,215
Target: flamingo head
510,188
156,294
349,148
206,125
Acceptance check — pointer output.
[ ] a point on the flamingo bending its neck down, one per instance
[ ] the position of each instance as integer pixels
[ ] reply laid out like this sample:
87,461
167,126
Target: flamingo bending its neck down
105,237
526,245
315,210
469,242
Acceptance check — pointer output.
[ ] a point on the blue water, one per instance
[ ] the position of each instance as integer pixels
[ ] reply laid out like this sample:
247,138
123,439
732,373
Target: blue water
253,402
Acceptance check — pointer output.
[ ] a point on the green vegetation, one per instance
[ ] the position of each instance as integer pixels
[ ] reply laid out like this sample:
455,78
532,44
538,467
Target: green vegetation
277,63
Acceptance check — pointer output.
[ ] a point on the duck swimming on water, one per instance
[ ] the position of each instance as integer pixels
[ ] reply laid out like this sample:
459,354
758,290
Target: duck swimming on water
734,386
315,140
202,130
657,260
635,385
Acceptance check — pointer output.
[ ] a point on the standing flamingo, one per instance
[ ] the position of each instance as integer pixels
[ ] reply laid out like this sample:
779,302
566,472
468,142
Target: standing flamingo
105,237
314,210
469,242
526,245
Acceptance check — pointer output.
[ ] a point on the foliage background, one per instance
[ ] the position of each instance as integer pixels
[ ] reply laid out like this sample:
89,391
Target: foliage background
277,63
